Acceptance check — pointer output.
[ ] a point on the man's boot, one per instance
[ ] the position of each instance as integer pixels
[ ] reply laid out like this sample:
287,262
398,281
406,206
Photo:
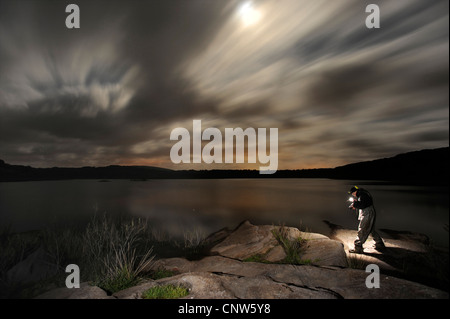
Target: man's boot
357,250
380,246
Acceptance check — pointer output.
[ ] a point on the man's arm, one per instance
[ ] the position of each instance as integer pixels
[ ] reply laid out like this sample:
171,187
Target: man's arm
365,200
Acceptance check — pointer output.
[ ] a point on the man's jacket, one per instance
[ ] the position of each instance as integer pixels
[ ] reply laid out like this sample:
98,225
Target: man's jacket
364,199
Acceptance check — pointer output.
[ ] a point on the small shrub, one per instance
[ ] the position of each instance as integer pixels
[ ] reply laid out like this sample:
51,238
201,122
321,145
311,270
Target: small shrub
355,261
292,247
120,280
165,292
124,253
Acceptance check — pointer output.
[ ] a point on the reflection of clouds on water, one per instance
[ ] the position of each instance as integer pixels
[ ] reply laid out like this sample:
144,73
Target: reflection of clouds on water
209,205
186,207
172,222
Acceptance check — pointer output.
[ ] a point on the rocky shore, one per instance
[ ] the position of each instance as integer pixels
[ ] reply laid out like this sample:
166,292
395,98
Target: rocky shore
252,262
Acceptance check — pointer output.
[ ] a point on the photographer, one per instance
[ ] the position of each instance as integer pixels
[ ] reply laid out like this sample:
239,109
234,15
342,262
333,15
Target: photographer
363,203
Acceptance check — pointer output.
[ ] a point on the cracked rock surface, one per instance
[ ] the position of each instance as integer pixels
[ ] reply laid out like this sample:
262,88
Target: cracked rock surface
225,275
218,277
257,280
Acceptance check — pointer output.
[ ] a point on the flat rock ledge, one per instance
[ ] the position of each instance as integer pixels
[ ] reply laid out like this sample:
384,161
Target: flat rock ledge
218,277
227,273
248,241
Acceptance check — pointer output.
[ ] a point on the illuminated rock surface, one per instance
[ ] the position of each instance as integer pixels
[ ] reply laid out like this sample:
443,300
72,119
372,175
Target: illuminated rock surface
226,274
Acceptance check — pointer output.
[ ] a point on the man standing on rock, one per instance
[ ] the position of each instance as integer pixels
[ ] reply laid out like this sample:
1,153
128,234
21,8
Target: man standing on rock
363,203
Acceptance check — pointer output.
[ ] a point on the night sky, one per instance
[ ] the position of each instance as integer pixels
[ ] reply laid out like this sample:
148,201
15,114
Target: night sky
112,91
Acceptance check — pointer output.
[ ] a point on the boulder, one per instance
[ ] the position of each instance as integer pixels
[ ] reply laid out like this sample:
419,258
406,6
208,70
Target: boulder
136,291
207,285
249,240
227,274
408,255
261,280
86,291
33,268
217,277
325,252
201,285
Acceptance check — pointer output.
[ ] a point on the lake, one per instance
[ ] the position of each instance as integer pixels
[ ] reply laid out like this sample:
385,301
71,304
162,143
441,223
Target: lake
205,206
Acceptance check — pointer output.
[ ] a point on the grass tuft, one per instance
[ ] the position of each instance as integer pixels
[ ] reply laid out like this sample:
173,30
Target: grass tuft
292,247
113,253
121,252
165,292
356,261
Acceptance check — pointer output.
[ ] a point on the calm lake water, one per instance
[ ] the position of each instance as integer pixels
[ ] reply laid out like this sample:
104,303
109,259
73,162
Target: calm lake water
204,206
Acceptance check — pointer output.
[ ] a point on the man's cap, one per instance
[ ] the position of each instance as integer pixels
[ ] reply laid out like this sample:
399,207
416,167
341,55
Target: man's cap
353,189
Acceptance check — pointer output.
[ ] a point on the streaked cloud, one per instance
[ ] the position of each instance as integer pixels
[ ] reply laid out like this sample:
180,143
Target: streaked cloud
111,92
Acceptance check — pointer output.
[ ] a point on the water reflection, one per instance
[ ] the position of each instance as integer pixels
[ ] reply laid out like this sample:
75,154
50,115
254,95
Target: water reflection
204,206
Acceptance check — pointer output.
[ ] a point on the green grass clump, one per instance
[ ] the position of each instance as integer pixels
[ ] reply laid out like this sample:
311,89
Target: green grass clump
292,247
355,261
120,280
112,252
119,253
165,292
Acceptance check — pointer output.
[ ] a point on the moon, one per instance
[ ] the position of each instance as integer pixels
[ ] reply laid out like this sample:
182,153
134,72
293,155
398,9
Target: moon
248,14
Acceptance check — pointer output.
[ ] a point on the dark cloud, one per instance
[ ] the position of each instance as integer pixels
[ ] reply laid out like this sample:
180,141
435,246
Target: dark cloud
110,92
79,81
439,135
335,88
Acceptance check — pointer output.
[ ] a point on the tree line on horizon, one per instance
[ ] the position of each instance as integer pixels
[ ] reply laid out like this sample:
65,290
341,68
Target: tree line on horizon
429,166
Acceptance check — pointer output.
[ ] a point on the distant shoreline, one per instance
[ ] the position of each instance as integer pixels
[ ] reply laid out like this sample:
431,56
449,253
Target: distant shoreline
356,180
426,167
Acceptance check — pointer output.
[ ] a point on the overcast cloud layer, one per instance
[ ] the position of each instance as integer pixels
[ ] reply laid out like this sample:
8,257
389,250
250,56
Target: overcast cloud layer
112,91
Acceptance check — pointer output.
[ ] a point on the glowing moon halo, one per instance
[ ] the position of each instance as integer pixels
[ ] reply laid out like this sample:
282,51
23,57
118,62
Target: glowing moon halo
248,14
